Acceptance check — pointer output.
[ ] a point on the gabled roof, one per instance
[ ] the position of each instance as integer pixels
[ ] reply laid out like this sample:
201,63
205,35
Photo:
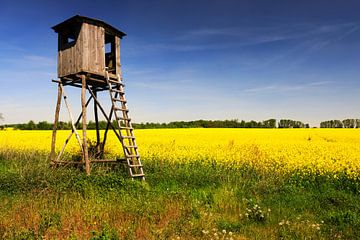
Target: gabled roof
81,19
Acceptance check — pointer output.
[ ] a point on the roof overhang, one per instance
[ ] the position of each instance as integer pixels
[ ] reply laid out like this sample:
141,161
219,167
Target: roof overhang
77,19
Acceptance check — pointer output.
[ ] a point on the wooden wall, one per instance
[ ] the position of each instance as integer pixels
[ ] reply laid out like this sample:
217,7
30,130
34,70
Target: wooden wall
117,55
87,54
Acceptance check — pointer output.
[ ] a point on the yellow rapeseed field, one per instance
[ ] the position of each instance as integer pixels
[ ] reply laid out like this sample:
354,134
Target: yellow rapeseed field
333,152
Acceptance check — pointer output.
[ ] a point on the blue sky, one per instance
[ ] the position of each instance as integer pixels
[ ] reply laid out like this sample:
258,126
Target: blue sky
187,60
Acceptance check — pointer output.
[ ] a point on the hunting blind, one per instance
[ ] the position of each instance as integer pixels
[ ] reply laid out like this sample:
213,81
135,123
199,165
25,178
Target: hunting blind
89,58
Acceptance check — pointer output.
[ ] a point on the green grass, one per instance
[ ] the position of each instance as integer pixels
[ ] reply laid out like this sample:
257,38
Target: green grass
190,201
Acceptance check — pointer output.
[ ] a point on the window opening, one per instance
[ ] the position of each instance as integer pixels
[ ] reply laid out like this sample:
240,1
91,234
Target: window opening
110,56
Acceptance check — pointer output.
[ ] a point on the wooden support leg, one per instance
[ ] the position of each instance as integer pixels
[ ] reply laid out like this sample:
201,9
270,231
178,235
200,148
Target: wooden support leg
83,103
98,149
57,111
70,135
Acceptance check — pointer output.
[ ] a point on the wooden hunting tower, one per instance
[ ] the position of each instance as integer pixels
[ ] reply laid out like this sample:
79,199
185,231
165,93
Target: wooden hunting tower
89,58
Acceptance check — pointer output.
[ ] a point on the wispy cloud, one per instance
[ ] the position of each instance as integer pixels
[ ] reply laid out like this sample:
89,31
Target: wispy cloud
256,35
233,37
6,46
41,60
287,88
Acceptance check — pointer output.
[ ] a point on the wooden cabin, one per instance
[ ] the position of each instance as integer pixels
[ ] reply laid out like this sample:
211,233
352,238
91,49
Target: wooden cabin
87,46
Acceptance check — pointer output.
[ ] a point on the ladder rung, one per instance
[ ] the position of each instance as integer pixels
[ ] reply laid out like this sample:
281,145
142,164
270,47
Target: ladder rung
138,175
136,165
118,91
128,137
116,82
119,100
123,119
132,155
121,109
128,128
130,146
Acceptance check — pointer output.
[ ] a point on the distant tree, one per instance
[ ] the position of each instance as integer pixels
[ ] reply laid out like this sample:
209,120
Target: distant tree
331,124
270,123
288,123
349,123
1,118
357,125
44,125
31,125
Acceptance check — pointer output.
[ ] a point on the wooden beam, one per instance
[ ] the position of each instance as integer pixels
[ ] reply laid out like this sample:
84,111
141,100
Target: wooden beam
65,162
83,104
57,111
72,131
108,125
98,149
104,114
71,116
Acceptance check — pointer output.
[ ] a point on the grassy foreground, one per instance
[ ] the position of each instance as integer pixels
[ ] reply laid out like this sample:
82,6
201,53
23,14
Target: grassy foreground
177,201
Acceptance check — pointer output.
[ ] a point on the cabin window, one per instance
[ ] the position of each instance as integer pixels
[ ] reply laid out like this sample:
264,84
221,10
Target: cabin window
68,37
110,55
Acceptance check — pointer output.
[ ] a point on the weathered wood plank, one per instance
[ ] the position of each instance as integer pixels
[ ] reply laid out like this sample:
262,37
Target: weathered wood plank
71,116
117,56
72,131
83,103
57,111
98,149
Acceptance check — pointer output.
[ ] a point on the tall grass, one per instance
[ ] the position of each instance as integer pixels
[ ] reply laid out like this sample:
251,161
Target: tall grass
186,201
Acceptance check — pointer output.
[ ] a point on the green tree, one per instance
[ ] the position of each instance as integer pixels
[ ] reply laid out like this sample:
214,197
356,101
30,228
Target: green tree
31,125
349,123
270,123
1,118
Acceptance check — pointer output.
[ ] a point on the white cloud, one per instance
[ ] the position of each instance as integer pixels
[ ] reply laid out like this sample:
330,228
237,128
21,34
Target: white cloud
287,88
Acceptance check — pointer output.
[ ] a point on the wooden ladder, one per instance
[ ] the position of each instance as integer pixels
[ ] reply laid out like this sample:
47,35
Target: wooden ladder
126,131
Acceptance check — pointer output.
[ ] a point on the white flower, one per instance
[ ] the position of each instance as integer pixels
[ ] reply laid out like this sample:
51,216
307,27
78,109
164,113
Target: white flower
224,231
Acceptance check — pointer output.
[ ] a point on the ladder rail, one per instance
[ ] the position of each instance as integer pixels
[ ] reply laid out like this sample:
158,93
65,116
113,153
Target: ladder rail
131,151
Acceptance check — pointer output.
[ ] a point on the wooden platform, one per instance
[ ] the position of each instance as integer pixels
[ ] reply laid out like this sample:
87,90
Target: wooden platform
92,79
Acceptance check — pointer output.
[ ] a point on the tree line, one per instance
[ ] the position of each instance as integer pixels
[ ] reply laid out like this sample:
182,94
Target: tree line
346,123
270,123
234,123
